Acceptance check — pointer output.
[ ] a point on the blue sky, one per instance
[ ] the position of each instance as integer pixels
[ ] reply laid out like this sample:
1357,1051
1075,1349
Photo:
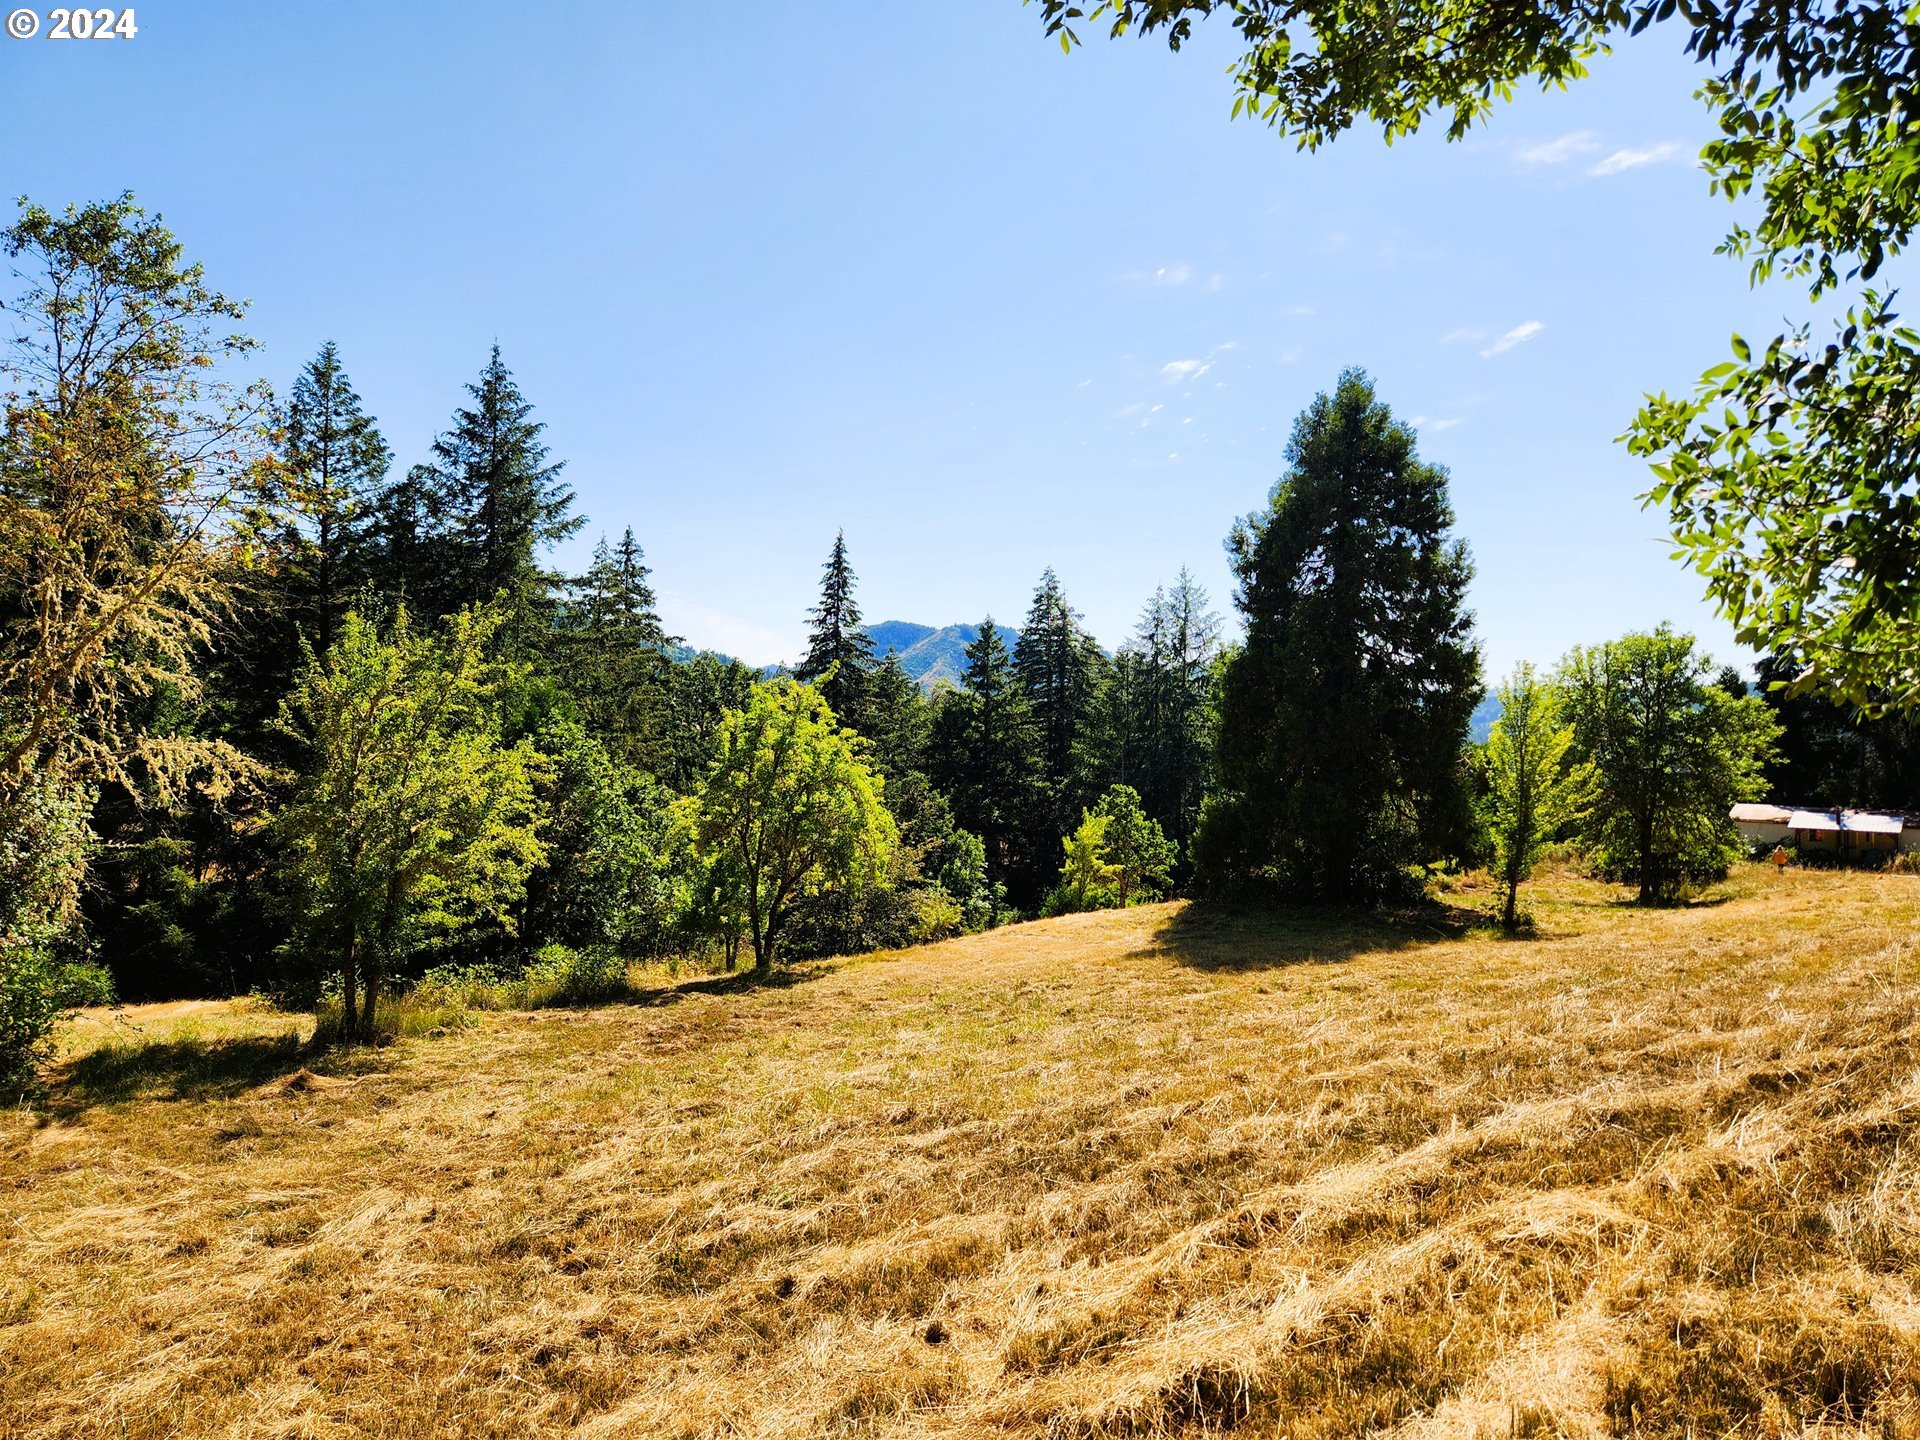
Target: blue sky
769,270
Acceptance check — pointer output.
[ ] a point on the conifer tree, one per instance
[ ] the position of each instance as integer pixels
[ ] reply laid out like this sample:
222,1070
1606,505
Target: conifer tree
1059,665
838,642
338,465
1344,716
985,756
896,720
502,501
617,653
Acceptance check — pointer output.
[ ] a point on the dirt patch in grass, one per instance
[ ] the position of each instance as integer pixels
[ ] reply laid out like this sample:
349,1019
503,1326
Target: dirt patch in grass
1160,1172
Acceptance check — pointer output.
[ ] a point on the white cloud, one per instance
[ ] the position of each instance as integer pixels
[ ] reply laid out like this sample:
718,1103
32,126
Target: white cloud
1178,370
1633,159
1558,152
1518,335
1461,336
1299,309
1084,383
1173,274
1447,424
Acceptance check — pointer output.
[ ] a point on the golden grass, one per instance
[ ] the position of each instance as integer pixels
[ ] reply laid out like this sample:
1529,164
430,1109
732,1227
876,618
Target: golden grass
1146,1173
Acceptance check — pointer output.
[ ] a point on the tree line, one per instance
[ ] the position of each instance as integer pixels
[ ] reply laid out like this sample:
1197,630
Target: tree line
275,715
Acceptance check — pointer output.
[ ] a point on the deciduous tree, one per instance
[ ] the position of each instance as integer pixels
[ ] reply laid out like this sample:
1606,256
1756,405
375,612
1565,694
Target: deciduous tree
789,810
1533,789
1671,753
413,818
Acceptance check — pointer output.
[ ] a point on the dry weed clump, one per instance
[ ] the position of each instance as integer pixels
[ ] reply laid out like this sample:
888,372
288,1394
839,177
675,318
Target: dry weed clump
1147,1173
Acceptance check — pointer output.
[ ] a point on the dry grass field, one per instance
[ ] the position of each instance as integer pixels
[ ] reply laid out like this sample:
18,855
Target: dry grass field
1162,1172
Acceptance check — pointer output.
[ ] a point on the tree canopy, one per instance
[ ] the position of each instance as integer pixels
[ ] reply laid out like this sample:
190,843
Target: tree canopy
1787,473
789,810
1343,715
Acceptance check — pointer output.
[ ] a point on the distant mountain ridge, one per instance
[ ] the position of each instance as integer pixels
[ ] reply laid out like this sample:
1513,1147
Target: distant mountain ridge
930,654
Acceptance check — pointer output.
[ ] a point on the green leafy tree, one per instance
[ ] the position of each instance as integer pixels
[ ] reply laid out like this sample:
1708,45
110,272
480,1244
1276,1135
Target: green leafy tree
1671,753
134,490
839,650
606,878
788,811
1086,878
1533,790
1344,716
1787,472
1133,846
700,693
136,487
413,819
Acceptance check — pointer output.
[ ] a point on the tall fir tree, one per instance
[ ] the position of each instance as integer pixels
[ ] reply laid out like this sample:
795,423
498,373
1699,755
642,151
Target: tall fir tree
617,652
501,503
1061,669
983,754
338,463
838,642
1059,665
1344,716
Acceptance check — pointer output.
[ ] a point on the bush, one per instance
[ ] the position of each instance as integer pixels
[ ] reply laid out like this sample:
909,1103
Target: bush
562,975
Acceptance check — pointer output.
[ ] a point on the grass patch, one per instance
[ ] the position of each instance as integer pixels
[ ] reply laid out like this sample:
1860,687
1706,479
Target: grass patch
1164,1171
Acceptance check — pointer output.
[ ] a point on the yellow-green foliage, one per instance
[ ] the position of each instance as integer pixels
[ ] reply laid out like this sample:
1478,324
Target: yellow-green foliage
789,810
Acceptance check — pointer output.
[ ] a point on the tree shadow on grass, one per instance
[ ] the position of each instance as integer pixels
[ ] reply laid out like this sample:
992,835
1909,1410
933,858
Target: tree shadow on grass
1216,935
741,982
191,1069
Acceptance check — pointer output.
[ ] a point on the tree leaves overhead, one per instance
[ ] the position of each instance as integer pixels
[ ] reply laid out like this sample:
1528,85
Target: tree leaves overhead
1789,472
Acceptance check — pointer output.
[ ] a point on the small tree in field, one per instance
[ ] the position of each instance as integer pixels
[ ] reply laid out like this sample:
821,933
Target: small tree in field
1086,877
1135,849
789,810
1671,753
413,818
1533,791
1118,855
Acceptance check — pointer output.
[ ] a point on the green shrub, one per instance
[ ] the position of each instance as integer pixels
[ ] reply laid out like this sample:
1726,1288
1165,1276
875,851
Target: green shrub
562,975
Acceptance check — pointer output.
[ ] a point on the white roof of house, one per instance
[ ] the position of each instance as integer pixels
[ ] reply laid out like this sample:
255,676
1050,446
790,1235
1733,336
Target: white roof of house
1761,814
1859,822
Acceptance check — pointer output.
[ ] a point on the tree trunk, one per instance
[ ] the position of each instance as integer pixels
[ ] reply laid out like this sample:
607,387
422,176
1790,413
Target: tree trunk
350,987
373,996
1508,914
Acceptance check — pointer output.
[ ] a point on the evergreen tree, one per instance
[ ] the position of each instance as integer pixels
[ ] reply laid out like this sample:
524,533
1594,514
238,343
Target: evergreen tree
501,502
838,642
985,758
1059,666
617,653
414,561
1344,717
897,720
1154,730
338,463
